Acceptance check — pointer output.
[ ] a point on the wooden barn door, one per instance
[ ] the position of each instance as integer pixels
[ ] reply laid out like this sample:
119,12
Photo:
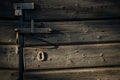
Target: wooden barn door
71,40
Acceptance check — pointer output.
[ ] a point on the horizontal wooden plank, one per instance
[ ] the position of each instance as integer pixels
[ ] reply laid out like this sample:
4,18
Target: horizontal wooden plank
62,9
64,15
70,4
7,33
72,56
8,75
75,74
73,9
8,56
65,32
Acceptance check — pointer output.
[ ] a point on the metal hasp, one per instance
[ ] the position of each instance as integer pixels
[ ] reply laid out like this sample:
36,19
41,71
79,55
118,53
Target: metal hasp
20,38
22,6
19,7
33,30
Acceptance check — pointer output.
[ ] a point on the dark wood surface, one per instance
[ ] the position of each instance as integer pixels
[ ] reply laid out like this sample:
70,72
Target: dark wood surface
7,9
8,74
65,10
73,56
66,74
84,43
74,9
70,56
76,74
65,32
8,57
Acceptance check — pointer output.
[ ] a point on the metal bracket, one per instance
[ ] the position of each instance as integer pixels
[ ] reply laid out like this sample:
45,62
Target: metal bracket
20,6
33,30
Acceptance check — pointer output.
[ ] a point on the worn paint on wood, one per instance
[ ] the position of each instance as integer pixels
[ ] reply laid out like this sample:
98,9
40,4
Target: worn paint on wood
75,74
65,32
73,56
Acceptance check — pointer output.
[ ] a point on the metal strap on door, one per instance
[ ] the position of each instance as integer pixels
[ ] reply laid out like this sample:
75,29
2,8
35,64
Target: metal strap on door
21,31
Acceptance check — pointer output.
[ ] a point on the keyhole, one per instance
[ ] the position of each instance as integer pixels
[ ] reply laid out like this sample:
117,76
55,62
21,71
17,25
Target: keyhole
40,56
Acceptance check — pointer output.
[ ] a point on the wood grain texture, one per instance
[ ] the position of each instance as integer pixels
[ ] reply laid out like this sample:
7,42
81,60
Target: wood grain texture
7,32
75,74
73,56
73,9
65,32
62,9
70,56
8,75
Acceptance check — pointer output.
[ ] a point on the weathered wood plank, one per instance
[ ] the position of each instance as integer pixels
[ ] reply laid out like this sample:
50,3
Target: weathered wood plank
72,4
74,9
53,15
8,75
7,33
65,32
75,74
73,56
62,56
8,56
62,9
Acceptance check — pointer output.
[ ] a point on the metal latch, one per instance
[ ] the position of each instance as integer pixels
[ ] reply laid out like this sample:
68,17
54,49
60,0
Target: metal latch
19,7
19,37
22,6
33,30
